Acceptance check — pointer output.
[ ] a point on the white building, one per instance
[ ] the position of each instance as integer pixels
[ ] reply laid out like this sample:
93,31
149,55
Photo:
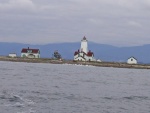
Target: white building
83,54
132,60
30,53
13,55
99,60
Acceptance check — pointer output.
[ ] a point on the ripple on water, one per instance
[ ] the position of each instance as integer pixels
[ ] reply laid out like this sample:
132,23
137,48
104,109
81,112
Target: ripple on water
137,98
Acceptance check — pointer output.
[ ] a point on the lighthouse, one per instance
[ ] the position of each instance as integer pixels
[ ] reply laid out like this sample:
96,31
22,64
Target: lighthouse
84,45
83,54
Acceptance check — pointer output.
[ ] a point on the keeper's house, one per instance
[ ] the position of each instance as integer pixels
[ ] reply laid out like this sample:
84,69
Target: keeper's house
30,53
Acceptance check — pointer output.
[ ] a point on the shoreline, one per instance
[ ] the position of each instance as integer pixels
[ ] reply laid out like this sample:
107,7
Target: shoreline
53,61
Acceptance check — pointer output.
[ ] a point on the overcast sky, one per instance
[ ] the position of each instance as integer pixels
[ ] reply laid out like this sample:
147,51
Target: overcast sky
114,22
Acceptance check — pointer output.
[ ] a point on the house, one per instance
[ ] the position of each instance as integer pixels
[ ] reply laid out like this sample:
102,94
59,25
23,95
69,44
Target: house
132,60
13,55
30,53
84,54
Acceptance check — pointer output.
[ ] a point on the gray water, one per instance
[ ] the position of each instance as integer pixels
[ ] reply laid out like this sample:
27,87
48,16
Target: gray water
53,88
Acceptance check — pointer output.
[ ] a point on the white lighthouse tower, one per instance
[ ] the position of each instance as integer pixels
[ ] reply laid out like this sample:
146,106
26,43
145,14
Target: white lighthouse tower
84,45
84,54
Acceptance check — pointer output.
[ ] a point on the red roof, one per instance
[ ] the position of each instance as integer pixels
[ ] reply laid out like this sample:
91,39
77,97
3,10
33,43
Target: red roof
88,54
24,50
75,53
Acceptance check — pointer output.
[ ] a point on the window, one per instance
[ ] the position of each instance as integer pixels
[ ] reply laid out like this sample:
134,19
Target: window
29,51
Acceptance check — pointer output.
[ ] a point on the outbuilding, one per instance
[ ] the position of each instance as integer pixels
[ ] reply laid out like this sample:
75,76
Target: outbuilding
132,60
13,55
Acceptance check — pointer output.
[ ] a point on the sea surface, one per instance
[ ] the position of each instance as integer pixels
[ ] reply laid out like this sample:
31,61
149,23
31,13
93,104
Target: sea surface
55,88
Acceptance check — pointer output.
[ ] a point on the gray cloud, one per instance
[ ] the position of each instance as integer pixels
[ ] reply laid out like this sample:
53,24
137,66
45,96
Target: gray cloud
115,22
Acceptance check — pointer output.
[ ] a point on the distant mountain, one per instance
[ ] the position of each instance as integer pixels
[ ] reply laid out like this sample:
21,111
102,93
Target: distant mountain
101,51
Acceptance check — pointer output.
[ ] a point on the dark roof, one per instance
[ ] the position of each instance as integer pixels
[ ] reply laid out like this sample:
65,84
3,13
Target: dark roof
24,50
132,57
84,38
88,54
75,53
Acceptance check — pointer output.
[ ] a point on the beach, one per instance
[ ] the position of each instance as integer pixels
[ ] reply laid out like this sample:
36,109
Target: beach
54,61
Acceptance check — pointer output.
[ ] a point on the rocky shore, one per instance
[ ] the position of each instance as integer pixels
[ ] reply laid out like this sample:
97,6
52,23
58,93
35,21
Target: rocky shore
53,61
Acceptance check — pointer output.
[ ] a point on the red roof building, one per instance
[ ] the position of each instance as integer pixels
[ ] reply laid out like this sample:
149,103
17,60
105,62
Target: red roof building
83,54
30,53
